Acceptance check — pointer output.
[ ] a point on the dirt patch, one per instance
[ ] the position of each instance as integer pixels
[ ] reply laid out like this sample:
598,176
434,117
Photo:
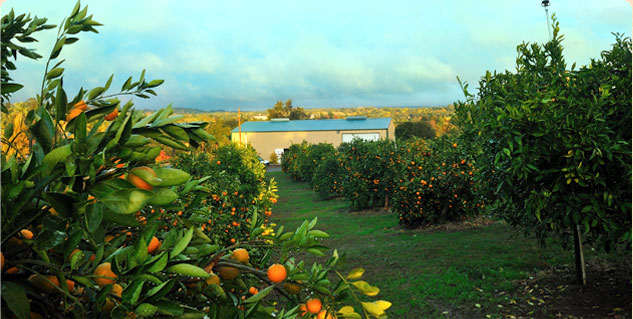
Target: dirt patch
479,221
553,294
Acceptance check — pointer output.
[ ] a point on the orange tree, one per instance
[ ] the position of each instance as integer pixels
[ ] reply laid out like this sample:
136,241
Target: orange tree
371,170
328,176
314,155
555,144
291,158
89,231
437,185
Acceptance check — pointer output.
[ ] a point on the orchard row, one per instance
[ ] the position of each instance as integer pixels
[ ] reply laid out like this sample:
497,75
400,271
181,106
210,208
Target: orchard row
425,182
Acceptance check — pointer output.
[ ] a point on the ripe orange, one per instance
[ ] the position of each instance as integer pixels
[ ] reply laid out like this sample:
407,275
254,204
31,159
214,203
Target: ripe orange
138,182
277,273
213,279
81,105
117,290
228,273
73,114
112,115
154,245
26,234
314,305
323,314
241,255
104,270
253,290
292,288
46,286
12,271
303,310
1,261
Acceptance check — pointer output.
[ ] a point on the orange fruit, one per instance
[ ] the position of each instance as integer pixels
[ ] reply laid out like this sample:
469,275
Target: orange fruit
139,182
1,261
46,285
213,279
314,305
154,245
104,270
35,315
323,314
112,115
14,242
12,271
81,105
253,290
117,290
291,288
303,310
26,234
228,273
277,273
73,114
241,255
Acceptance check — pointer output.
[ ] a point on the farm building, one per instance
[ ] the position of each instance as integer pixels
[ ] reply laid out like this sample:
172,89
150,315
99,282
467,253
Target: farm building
278,134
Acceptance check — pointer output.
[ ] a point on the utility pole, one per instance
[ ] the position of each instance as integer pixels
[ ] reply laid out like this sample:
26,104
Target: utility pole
545,4
239,124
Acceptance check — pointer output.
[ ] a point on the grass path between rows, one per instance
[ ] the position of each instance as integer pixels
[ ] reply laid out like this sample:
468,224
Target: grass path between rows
472,272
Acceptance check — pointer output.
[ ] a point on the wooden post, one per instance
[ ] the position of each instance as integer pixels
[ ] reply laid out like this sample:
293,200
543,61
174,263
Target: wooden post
581,274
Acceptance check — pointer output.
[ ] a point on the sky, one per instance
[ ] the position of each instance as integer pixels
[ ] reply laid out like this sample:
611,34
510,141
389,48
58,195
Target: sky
252,53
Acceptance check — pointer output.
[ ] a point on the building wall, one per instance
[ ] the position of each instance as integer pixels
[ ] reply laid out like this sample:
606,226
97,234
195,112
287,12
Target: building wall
266,142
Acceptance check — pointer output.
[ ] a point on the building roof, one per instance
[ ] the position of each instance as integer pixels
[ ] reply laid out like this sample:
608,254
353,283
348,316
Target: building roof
285,125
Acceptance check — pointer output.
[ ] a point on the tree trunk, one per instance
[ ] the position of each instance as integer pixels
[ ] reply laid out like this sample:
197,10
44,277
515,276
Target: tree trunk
581,275
386,202
442,218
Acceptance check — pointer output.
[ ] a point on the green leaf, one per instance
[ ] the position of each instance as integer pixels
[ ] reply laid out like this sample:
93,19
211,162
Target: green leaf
376,308
355,274
10,87
58,47
171,176
54,73
187,270
53,157
126,201
169,308
260,295
145,310
163,196
159,265
15,299
61,101
318,234
365,288
132,292
182,243
8,131
348,312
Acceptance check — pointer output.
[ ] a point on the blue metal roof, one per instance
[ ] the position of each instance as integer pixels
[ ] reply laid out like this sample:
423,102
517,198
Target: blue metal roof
351,123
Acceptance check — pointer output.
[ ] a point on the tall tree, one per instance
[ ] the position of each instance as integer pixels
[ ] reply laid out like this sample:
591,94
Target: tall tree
285,110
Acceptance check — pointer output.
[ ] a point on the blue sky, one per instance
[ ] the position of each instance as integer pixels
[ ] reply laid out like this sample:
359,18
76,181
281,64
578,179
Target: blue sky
249,54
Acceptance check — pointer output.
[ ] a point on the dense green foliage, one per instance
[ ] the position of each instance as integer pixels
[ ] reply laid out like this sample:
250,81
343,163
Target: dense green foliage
421,129
424,182
286,110
90,231
437,185
555,143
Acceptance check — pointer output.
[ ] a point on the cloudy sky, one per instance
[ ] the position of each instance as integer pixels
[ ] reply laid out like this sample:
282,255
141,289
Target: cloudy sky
249,54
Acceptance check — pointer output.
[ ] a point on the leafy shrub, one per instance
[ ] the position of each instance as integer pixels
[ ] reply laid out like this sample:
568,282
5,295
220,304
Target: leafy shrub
289,162
370,172
327,179
438,184
313,156
274,159
555,143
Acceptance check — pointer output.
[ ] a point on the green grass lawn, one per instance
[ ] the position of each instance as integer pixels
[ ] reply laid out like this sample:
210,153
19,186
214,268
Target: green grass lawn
469,272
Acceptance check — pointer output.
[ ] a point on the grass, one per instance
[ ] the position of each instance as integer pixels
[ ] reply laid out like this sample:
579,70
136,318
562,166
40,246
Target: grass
472,272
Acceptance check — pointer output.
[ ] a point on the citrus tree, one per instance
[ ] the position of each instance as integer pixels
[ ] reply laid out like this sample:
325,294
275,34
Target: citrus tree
90,230
555,143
